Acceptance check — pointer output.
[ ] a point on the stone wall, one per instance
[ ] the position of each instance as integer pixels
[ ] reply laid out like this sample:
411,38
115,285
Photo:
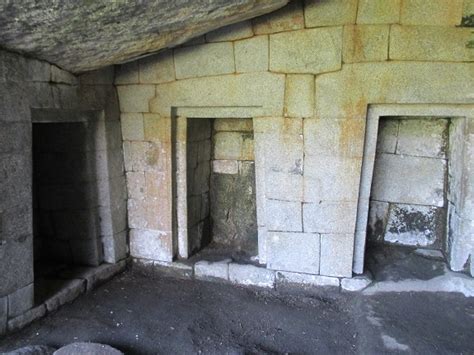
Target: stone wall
408,198
233,200
306,75
34,91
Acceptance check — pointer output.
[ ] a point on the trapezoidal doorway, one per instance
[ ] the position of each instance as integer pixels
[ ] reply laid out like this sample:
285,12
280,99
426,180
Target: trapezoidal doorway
216,188
413,194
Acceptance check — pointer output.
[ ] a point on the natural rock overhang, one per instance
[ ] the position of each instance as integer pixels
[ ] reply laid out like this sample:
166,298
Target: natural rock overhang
84,35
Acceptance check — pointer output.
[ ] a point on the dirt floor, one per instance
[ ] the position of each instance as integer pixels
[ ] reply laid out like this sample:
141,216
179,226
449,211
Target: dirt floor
145,314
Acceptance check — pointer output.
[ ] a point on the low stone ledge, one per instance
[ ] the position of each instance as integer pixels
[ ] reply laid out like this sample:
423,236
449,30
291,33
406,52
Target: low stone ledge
250,275
356,283
26,318
205,270
294,278
175,269
68,293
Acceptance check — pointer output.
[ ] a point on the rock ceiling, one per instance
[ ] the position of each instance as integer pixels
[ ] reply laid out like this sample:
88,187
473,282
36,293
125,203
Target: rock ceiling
84,35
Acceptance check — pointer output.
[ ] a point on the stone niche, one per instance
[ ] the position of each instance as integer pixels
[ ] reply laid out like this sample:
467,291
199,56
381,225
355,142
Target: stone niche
220,206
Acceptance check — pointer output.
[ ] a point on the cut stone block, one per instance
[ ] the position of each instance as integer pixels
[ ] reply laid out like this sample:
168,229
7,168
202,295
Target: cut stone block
410,180
357,283
415,225
288,18
231,33
311,51
127,73
377,221
299,95
157,128
212,270
150,244
331,178
157,68
293,278
330,13
227,145
250,275
387,135
423,137
204,60
431,13
251,54
26,318
365,43
334,137
70,290
233,124
132,126
330,217
298,252
63,77
3,314
430,43
283,216
378,11
336,255
265,90
225,166
283,186
87,348
135,98
20,301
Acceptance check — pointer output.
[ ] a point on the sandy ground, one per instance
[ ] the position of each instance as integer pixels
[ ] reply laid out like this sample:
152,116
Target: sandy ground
146,314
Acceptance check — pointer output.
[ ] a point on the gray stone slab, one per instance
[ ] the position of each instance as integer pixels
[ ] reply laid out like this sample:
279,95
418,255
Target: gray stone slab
33,350
283,216
298,252
357,283
299,279
212,270
20,301
3,314
330,217
407,179
26,318
336,255
250,275
70,290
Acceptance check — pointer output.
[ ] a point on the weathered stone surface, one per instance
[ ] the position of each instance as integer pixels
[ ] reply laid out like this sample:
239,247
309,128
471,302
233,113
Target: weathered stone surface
251,275
233,124
135,98
127,73
378,11
231,33
157,69
377,220
69,291
294,278
204,60
299,95
228,145
255,89
20,301
347,93
225,166
81,38
364,43
283,216
336,255
150,244
132,126
387,135
212,270
434,12
357,283
415,225
3,314
395,176
288,18
431,43
310,51
62,77
26,318
329,217
298,252
331,178
423,137
87,348
330,13
251,54
33,350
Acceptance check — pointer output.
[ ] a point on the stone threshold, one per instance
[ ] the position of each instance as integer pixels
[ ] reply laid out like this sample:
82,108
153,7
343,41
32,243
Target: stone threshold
228,271
82,280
